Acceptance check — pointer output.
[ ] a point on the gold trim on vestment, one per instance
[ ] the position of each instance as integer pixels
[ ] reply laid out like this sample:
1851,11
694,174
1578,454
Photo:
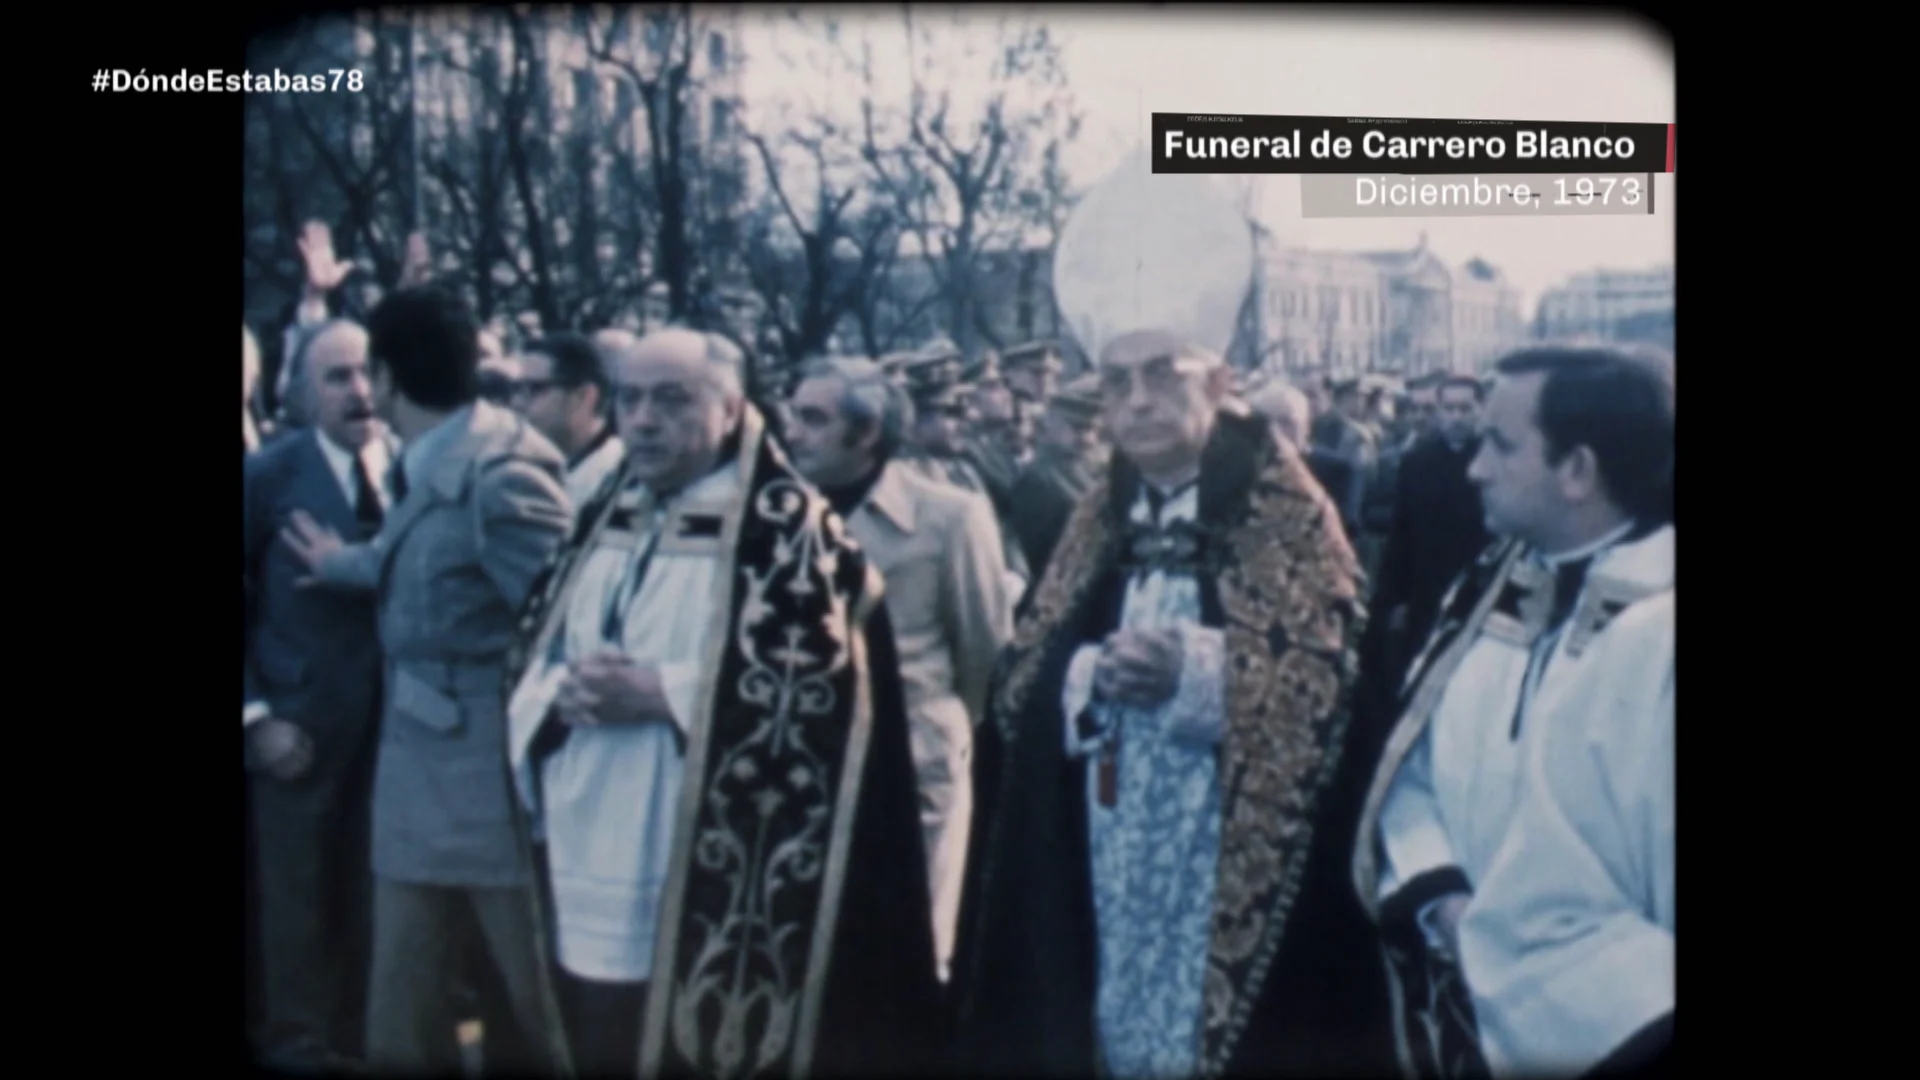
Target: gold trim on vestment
1411,725
694,766
1292,579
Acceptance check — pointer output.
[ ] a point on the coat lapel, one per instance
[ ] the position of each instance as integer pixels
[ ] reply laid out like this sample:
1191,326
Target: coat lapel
319,489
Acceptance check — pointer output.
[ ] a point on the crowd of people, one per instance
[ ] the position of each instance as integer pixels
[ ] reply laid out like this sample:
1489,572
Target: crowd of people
937,713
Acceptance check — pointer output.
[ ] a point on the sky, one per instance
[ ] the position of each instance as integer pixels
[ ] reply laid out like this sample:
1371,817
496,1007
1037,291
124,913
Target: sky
1123,63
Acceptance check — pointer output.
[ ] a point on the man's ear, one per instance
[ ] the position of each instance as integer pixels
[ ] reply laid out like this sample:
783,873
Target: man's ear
1579,474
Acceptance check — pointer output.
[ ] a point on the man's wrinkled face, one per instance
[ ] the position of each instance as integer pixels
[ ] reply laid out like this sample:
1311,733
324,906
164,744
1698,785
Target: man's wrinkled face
673,412
1160,401
825,447
340,386
1520,492
1459,410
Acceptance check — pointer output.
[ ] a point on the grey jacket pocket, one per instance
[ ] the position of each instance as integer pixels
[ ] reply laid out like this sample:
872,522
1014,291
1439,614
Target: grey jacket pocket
418,699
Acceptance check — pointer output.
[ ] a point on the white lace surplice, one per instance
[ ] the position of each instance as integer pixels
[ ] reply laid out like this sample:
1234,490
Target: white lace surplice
1154,853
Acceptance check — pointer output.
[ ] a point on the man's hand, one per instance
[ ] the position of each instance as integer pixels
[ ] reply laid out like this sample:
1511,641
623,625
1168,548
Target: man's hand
324,272
1139,668
1446,919
418,265
311,542
281,748
610,688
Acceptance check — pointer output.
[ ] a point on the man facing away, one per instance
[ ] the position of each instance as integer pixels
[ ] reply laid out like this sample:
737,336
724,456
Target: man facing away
311,691
481,512
938,549
1574,469
1156,887
564,393
708,727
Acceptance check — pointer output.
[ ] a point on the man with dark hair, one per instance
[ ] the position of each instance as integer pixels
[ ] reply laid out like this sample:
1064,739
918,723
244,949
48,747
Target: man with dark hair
563,392
1575,470
1436,530
1340,432
481,509
939,549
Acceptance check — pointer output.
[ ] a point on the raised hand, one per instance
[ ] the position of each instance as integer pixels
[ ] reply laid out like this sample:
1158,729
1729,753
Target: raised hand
324,272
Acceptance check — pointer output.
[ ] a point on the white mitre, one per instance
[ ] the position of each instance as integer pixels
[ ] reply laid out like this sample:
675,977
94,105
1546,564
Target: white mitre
1154,251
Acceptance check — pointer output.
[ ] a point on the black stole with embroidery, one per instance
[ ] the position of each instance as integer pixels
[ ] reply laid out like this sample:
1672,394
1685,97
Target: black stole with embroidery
773,772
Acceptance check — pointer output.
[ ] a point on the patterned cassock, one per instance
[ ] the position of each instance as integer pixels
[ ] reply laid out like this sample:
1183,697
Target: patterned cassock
794,933
1286,983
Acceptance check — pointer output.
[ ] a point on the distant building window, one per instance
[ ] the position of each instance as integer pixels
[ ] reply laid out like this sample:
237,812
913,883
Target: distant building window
722,120
717,51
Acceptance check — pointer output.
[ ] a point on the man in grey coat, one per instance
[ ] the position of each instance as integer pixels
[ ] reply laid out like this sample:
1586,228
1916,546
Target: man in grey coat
481,510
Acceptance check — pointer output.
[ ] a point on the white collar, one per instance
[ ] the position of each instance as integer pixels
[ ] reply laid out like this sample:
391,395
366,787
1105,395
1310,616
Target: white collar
1587,550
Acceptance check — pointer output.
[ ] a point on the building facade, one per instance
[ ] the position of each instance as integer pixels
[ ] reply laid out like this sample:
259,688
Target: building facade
1404,313
1611,305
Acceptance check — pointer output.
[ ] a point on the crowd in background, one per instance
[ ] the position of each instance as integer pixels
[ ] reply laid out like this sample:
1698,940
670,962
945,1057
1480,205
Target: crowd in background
957,475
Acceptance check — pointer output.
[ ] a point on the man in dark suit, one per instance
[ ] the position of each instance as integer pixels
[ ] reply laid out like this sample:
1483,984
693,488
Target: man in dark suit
1438,528
481,511
310,700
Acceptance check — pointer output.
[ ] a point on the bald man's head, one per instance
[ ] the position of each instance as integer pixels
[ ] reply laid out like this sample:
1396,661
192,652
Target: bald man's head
677,396
1286,409
333,384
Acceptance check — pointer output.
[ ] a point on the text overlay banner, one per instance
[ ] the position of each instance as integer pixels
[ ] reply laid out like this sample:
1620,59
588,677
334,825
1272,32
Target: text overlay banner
1502,195
1224,143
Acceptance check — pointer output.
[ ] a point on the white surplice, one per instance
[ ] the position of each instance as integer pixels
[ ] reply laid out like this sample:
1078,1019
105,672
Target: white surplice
1155,852
1568,942
585,476
607,800
1451,801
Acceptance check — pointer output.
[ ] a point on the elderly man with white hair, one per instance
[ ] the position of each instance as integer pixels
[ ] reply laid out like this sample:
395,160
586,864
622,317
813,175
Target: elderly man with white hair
709,732
1289,412
1158,885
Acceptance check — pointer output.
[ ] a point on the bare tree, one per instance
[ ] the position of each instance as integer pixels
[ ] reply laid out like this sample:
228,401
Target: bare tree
654,50
969,185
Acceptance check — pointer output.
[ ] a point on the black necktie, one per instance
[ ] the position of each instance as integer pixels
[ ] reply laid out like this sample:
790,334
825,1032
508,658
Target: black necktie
398,476
366,502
